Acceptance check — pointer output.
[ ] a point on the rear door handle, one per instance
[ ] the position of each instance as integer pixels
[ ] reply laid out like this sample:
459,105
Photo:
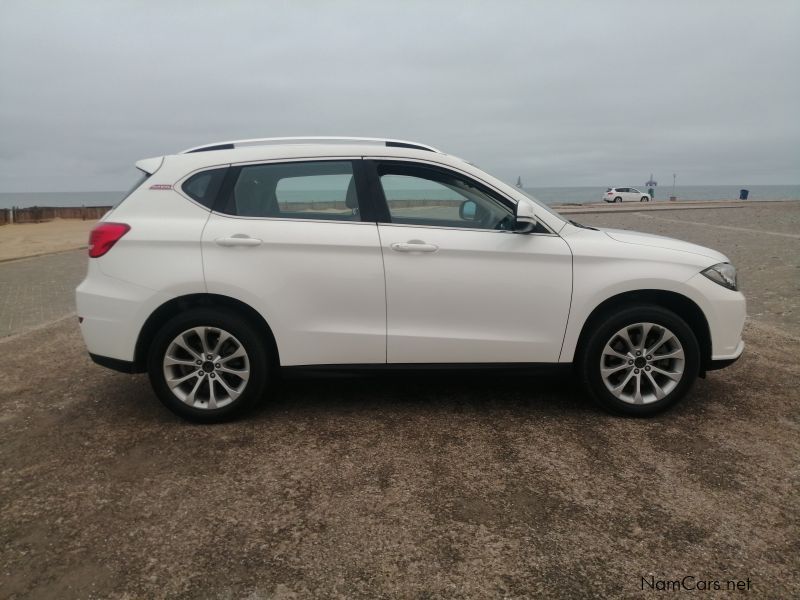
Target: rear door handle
238,239
414,246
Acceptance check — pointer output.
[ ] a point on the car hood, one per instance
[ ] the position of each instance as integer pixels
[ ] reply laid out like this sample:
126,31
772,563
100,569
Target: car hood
659,241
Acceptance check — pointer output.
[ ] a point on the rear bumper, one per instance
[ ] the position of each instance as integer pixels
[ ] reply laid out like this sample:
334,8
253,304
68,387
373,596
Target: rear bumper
115,364
113,312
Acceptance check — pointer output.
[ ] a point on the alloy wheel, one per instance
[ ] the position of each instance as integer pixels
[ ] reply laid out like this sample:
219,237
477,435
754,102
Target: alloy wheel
642,363
206,367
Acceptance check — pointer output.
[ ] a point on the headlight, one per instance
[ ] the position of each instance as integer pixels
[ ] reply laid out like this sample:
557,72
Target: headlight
723,274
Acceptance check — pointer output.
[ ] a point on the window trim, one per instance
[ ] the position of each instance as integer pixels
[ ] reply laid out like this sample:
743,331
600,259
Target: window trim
365,205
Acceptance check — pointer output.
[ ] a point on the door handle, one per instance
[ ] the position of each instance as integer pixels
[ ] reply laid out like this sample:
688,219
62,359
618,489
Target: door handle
238,239
414,246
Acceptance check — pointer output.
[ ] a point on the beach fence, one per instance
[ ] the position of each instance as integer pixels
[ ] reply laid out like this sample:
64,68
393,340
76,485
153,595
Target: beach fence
39,214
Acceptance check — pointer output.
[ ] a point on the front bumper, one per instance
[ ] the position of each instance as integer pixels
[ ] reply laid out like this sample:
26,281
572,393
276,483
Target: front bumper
720,363
725,311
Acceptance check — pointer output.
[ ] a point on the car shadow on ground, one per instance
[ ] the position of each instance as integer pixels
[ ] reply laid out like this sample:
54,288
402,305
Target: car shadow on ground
481,392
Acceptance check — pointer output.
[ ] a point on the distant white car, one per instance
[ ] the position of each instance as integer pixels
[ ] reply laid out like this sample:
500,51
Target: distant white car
625,195
235,261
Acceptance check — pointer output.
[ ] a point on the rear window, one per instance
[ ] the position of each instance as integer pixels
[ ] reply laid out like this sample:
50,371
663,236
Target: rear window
204,186
318,190
142,177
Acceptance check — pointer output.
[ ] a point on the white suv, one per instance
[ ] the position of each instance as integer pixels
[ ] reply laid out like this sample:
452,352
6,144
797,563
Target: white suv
234,261
625,195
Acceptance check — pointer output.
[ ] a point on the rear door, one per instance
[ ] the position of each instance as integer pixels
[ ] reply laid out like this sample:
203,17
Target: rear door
288,239
461,287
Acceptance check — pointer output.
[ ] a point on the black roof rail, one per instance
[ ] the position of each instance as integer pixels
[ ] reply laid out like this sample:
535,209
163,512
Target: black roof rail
310,140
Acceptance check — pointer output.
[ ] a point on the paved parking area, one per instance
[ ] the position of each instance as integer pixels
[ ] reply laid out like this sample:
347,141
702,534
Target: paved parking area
434,487
38,290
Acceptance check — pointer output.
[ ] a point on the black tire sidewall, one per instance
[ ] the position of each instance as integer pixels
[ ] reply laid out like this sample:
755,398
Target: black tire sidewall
589,361
617,199
240,328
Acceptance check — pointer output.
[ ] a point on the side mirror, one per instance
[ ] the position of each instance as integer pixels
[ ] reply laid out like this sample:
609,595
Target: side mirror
468,211
525,217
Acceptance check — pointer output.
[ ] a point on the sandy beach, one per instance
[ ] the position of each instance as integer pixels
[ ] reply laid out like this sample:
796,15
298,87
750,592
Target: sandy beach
33,239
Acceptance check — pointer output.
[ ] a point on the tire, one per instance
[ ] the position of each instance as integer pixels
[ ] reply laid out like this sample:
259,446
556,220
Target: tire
617,199
644,199
604,340
228,386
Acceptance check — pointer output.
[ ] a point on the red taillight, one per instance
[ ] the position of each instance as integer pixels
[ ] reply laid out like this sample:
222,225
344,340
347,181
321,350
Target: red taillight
104,236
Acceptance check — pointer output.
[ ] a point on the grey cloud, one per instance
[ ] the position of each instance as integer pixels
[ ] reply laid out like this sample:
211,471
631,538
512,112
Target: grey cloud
573,93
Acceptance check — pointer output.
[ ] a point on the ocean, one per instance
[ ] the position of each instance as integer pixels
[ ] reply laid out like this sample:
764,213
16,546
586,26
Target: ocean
548,195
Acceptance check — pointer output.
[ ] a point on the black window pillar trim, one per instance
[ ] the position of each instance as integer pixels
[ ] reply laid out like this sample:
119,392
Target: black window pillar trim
373,193
226,189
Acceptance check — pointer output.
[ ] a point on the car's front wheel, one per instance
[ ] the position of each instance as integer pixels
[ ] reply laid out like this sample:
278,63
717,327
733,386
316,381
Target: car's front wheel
208,365
639,360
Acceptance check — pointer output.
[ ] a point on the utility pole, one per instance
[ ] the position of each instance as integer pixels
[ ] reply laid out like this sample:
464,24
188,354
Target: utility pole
674,178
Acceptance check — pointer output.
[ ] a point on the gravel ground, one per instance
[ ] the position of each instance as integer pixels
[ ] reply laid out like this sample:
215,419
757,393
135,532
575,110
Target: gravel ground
409,487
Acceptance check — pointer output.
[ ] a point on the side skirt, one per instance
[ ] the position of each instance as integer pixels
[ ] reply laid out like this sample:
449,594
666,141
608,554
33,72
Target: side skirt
383,369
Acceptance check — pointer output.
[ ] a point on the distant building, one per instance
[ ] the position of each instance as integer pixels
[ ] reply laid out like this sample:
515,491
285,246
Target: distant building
519,182
651,182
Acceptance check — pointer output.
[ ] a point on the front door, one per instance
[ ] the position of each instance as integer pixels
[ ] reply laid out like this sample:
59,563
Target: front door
288,239
461,286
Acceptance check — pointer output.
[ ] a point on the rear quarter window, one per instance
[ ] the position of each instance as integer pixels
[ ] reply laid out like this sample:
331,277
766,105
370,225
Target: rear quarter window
203,187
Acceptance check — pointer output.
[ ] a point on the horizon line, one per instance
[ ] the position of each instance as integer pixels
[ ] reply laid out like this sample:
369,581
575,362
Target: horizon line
524,187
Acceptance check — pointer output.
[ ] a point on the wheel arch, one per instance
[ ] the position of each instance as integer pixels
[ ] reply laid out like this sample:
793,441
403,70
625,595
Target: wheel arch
682,306
175,306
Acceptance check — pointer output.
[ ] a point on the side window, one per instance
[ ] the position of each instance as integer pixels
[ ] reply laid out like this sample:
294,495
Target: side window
323,190
204,186
418,195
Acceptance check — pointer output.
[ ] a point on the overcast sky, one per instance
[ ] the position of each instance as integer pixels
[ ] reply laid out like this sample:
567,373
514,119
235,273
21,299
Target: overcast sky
584,93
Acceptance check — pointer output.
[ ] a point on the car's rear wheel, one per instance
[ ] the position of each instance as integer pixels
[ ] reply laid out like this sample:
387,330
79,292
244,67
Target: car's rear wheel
639,361
617,199
208,365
